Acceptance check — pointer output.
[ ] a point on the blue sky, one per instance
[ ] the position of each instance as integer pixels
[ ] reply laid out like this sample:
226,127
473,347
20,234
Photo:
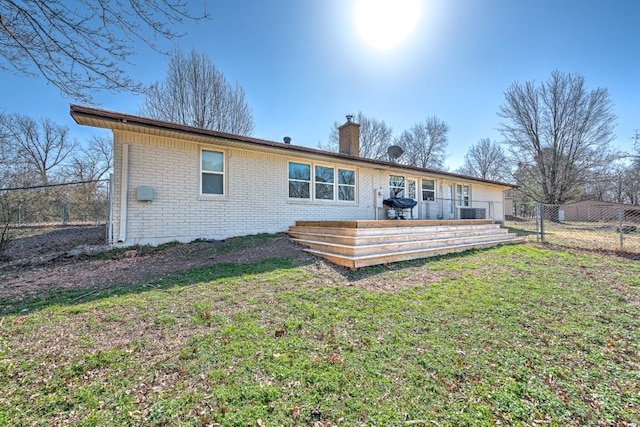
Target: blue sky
304,65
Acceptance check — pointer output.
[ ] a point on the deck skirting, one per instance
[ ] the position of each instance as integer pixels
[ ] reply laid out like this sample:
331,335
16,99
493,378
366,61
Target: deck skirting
355,244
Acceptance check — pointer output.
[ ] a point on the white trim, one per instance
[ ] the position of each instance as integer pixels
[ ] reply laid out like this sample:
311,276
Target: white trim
354,186
110,220
225,175
312,183
332,184
422,190
461,199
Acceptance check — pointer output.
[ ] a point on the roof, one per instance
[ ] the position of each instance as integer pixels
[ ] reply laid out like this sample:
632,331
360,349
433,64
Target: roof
95,117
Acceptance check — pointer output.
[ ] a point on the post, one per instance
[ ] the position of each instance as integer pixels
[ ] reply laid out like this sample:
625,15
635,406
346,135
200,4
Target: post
620,218
541,222
536,214
65,212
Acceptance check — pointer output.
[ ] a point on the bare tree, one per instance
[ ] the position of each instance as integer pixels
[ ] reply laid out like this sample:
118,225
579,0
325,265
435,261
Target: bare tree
486,160
92,162
83,46
375,137
196,93
42,146
631,183
88,167
619,176
425,144
558,132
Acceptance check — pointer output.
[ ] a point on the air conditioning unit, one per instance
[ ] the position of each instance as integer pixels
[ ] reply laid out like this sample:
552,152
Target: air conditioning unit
473,213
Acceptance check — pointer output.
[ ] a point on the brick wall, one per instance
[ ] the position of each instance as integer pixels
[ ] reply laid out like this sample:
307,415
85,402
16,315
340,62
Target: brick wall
256,199
255,202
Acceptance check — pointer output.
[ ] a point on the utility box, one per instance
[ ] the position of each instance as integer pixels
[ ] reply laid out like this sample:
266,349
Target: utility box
145,194
379,197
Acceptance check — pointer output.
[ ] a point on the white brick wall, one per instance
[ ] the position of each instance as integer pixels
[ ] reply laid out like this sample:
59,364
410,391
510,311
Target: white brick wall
256,193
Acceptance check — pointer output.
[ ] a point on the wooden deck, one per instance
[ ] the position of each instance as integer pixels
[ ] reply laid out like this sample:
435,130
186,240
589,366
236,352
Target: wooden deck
355,244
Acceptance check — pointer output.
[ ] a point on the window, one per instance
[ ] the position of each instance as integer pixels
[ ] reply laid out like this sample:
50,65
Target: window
299,181
396,186
346,185
212,172
428,190
462,193
411,189
324,183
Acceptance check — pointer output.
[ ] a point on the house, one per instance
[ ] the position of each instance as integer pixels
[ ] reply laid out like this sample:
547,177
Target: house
179,183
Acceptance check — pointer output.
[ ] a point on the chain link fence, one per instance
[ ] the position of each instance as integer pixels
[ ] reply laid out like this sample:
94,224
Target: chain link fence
56,205
594,226
28,211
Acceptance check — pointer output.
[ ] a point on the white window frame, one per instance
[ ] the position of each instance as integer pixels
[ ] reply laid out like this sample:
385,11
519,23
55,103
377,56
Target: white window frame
392,193
223,173
423,190
462,199
341,185
309,182
331,184
312,183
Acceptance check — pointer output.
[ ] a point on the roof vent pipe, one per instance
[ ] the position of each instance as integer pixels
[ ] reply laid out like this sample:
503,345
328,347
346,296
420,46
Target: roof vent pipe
287,139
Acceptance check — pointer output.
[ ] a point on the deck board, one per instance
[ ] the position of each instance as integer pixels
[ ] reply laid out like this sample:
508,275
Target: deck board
361,243
386,223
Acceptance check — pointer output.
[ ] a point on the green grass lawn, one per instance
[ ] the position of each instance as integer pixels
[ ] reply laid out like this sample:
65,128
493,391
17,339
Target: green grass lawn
515,335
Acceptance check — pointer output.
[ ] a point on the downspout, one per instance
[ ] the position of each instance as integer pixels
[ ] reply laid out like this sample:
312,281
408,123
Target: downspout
110,219
124,188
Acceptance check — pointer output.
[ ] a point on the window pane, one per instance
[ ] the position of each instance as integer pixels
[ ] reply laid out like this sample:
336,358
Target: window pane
396,186
396,192
346,177
428,190
396,181
212,161
346,193
324,174
298,190
412,189
299,171
324,191
212,183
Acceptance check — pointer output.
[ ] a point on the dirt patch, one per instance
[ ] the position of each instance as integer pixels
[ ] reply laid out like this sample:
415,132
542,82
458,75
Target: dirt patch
56,259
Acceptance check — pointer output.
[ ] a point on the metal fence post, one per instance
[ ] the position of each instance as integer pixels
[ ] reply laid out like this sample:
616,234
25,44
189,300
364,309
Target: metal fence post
541,222
620,229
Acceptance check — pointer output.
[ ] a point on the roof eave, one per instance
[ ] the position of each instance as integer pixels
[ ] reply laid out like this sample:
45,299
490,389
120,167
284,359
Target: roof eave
105,119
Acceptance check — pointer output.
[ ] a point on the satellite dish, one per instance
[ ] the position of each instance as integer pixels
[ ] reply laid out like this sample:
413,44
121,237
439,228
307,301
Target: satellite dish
394,152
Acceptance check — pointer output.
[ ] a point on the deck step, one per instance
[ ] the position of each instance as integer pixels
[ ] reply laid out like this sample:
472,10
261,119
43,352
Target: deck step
356,244
329,236
393,246
354,262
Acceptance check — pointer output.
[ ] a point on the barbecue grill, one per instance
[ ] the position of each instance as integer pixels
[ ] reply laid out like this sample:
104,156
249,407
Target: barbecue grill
398,207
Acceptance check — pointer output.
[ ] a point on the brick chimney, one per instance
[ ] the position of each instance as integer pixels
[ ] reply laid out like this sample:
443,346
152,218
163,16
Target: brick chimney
349,138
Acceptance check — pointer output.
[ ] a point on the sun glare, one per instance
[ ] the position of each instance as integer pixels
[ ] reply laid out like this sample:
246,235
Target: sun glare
386,23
